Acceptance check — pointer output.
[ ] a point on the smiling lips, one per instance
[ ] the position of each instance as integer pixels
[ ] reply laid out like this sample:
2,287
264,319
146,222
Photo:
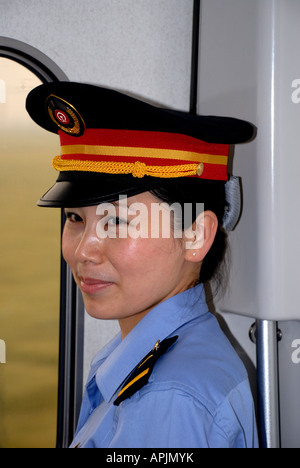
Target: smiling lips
92,285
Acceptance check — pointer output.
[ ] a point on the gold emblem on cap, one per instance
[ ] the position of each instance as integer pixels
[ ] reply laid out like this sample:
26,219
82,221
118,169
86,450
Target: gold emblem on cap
200,169
65,116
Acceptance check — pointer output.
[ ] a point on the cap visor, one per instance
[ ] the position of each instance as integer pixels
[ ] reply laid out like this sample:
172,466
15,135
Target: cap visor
76,189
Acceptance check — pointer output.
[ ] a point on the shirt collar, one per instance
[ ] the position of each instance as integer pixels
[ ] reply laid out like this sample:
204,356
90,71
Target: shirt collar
116,360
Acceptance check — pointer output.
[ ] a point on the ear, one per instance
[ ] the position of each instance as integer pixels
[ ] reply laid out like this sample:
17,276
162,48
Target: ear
200,236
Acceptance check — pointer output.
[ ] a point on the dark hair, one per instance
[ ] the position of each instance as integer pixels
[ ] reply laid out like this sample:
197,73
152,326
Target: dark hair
212,195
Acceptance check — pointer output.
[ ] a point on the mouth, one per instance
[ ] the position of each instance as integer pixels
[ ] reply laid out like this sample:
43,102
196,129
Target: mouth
92,285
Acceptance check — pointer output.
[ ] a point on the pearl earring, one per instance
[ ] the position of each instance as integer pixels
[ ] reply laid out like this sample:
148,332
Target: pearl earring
194,254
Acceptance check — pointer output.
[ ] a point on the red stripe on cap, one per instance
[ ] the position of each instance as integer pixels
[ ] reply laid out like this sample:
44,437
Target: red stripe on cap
143,139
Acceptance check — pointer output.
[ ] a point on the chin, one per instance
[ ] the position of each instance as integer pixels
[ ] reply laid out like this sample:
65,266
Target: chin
98,312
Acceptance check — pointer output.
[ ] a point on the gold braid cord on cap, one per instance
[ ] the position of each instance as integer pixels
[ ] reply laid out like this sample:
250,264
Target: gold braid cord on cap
137,169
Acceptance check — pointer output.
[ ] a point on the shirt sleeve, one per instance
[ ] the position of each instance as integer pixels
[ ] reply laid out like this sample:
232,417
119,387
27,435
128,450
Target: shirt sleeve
173,418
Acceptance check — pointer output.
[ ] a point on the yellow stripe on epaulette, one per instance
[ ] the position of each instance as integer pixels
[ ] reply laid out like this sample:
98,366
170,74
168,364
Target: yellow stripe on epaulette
138,377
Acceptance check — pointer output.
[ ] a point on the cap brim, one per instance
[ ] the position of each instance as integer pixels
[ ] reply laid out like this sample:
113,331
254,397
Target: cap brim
77,189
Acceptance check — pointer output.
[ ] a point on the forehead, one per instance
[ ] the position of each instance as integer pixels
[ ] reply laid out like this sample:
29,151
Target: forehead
144,197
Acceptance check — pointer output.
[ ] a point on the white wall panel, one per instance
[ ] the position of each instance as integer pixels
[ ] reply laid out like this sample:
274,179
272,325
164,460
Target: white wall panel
142,46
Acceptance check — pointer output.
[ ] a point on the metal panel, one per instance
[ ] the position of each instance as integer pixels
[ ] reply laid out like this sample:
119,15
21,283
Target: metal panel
249,64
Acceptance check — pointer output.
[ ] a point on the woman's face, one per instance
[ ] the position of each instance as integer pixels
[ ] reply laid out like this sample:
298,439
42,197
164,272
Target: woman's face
124,276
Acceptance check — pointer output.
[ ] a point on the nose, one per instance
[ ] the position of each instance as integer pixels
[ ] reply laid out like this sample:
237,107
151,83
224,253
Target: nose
90,247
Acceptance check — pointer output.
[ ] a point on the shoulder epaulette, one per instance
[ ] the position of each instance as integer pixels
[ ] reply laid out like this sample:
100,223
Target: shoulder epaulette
139,376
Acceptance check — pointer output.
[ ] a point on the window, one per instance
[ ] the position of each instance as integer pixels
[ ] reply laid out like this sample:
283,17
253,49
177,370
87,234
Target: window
29,269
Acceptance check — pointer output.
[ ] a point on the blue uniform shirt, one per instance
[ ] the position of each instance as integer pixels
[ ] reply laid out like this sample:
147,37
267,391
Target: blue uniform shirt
197,395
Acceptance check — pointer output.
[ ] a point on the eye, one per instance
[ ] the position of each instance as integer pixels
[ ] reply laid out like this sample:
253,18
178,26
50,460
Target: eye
73,217
115,221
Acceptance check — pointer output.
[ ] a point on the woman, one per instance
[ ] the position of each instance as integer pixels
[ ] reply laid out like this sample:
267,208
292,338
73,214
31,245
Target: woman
145,192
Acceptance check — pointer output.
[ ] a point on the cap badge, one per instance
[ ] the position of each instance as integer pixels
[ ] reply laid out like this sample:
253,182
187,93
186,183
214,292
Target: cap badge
65,116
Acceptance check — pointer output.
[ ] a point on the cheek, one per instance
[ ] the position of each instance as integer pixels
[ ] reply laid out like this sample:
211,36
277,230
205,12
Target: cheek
126,256
143,258
68,247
